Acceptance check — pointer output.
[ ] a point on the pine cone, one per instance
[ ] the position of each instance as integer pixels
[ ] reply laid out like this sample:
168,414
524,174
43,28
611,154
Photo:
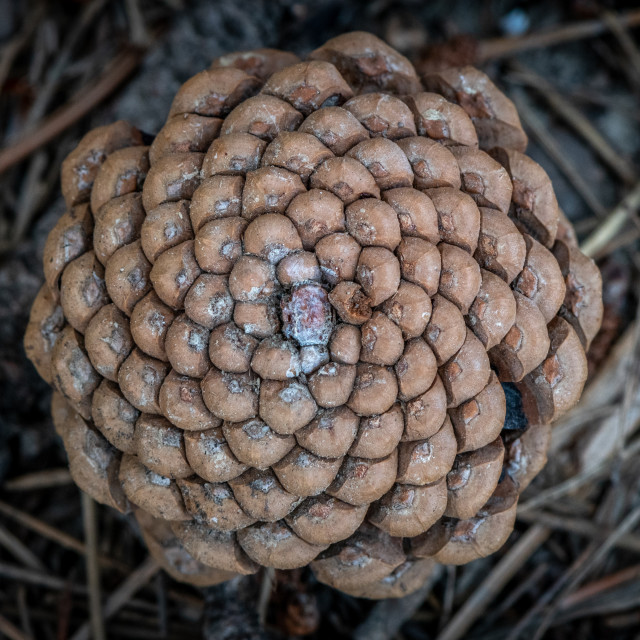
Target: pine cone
279,333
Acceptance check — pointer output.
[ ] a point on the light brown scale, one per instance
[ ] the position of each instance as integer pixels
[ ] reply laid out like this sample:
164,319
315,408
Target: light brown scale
409,308
415,370
218,196
187,345
184,133
441,120
298,268
467,373
114,416
164,227
378,272
80,167
174,272
286,406
261,495
297,152
256,444
210,456
345,344
381,339
93,462
72,373
534,206
172,178
582,306
423,462
433,165
218,244
234,154
160,447
182,404
493,312
424,415
213,92
46,321
208,301
150,320
386,162
556,383
257,319
541,279
362,481
276,359
378,436
252,280
368,63
336,128
416,214
231,396
373,223
458,217
218,549
460,278
69,239
323,519
494,116
108,341
157,495
346,178
271,236
260,63
330,433
524,346
501,248
338,256
382,115
331,385
479,420
341,565
269,190
308,86
231,349
484,179
117,223
83,290
213,505
483,534
128,277
374,391
262,116
304,474
316,214
140,378
275,545
420,263
473,478
408,511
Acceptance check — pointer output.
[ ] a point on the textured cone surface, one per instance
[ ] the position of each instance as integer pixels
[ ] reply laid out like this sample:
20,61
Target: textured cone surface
280,332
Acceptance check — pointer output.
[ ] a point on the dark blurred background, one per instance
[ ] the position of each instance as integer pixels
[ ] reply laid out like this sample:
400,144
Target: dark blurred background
573,69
